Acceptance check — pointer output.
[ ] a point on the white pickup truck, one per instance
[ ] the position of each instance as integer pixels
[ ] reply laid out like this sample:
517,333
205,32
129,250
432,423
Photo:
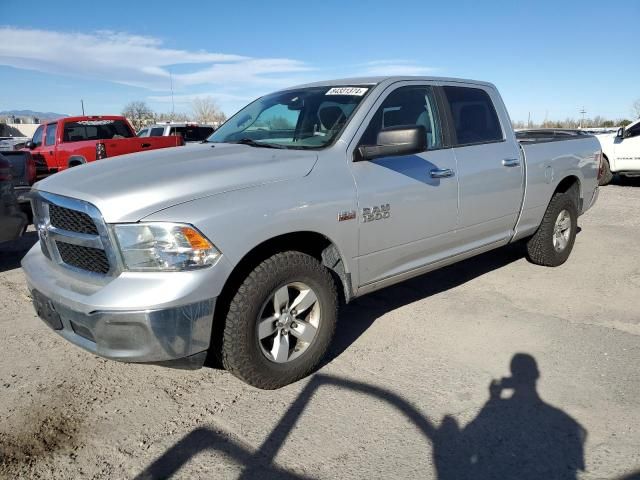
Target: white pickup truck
240,247
621,153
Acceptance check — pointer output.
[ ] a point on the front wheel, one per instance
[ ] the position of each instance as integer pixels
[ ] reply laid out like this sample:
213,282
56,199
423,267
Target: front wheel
280,321
607,174
552,243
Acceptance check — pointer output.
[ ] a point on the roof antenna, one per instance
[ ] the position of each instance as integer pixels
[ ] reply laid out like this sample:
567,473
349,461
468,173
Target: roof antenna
82,103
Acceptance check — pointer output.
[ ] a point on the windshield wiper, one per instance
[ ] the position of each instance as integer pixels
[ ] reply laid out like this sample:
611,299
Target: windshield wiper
251,142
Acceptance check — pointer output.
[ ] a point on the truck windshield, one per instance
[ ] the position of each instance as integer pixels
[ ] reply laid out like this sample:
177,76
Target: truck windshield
299,119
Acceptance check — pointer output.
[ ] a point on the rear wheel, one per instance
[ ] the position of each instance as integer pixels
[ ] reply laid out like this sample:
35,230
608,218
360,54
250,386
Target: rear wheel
552,243
280,321
607,175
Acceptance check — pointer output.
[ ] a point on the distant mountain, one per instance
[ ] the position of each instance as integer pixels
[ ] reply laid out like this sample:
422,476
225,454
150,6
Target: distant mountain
31,113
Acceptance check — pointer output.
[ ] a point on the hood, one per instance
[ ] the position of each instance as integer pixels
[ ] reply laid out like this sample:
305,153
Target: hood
130,187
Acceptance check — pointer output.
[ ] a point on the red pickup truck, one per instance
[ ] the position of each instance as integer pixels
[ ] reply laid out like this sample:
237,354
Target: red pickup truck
72,141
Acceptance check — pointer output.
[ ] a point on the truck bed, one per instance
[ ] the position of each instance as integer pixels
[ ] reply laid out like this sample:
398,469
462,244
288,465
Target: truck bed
543,135
547,154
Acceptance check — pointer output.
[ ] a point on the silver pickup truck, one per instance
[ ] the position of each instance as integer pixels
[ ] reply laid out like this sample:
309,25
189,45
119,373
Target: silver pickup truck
243,247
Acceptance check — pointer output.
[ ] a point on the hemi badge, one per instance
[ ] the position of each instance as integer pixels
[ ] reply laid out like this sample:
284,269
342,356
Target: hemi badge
342,216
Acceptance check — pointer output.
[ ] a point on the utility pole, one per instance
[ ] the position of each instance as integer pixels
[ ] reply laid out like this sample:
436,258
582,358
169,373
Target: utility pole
82,103
583,111
173,106
529,121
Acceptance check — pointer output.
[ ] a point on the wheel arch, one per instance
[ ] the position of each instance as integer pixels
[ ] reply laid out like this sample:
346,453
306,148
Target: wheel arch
76,160
312,243
571,184
612,165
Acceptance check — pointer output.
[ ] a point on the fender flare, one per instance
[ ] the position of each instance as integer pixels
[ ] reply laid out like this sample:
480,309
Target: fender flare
76,160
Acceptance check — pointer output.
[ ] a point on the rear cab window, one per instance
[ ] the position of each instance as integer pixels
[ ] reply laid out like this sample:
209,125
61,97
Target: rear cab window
99,129
474,116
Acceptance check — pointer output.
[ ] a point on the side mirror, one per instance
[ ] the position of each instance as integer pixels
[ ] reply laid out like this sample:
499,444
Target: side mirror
30,145
620,133
396,141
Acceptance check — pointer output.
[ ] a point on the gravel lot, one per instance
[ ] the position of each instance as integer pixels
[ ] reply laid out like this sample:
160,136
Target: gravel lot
404,394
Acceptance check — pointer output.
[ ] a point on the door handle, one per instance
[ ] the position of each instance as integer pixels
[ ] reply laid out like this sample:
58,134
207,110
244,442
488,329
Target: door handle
511,162
146,145
441,173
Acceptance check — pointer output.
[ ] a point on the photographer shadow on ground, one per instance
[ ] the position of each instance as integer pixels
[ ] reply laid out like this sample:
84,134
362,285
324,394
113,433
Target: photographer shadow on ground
519,437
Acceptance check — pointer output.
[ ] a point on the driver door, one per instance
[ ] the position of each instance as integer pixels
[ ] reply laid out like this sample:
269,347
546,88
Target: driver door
408,205
627,150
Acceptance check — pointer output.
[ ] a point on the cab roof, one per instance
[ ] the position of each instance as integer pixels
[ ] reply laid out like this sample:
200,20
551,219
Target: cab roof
387,80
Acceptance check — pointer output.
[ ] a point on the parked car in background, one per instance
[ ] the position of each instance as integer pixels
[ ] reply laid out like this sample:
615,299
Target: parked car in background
12,220
12,143
25,171
190,132
239,246
73,141
621,153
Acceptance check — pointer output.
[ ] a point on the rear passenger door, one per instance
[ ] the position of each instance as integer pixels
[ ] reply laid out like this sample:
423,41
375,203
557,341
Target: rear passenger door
490,169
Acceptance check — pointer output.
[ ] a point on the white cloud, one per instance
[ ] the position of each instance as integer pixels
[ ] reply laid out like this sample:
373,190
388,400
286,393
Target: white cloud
395,67
135,60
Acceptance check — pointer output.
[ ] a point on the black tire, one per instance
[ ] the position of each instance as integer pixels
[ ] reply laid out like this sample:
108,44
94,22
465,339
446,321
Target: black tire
607,174
540,247
240,350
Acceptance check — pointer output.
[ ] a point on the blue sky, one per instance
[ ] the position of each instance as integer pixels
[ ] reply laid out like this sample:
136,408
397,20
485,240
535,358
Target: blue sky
547,58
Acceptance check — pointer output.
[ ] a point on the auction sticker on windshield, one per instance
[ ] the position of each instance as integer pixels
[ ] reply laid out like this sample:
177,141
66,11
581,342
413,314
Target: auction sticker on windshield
355,91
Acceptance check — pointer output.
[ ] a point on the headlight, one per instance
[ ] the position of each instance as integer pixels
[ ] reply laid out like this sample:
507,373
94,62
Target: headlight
164,247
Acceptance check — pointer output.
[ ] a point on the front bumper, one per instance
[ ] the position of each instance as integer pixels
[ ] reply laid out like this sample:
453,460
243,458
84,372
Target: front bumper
177,336
136,317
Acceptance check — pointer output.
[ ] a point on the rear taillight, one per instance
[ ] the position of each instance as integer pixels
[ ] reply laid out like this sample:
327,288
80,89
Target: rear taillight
600,164
101,151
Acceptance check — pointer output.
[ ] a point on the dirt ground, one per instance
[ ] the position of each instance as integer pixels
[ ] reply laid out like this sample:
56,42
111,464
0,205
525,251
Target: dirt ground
406,393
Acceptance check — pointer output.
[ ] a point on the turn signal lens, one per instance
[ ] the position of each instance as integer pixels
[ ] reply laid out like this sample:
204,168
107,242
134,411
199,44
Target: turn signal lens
197,241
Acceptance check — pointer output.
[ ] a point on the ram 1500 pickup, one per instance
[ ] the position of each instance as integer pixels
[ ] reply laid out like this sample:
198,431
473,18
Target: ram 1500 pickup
242,246
71,141
621,153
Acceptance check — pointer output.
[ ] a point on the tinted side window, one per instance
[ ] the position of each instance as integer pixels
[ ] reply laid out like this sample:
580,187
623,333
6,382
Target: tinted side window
50,136
95,130
474,117
156,132
407,106
633,131
37,136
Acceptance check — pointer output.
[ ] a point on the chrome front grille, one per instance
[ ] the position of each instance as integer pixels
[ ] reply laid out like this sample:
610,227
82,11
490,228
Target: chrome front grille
73,234
84,258
71,220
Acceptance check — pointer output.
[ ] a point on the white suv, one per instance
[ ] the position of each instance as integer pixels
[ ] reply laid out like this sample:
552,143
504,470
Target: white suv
190,132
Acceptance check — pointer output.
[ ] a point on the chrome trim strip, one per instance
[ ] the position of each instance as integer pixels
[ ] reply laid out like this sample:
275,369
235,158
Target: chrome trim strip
74,238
